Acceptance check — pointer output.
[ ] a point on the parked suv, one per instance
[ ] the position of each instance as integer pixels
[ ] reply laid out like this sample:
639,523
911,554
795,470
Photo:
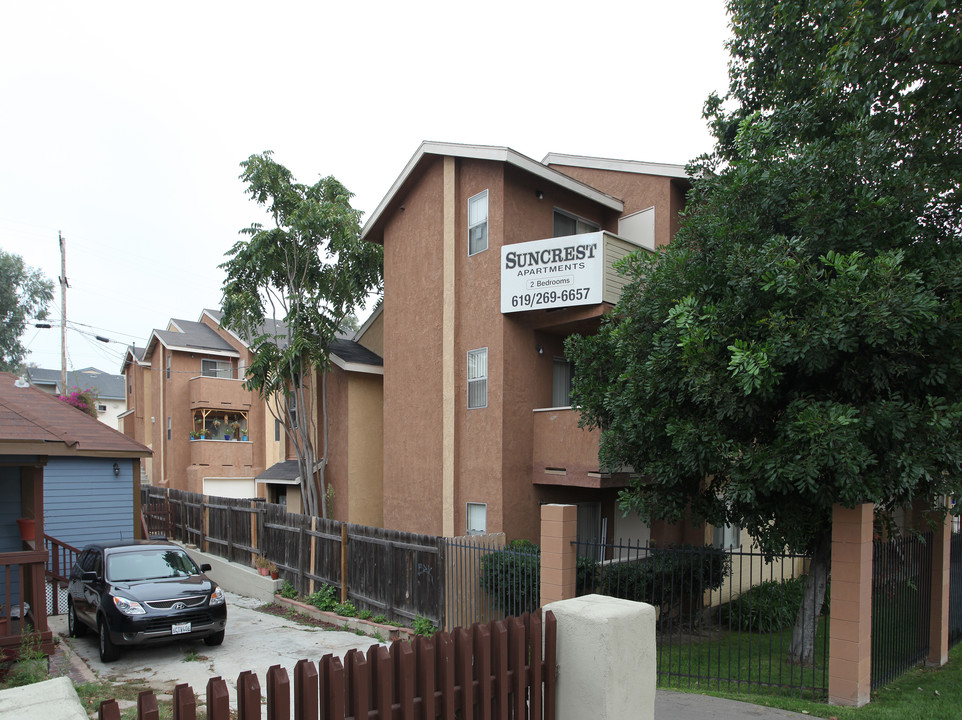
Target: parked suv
132,592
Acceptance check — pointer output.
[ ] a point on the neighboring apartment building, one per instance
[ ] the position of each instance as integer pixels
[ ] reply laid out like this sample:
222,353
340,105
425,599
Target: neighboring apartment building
188,381
492,259
111,398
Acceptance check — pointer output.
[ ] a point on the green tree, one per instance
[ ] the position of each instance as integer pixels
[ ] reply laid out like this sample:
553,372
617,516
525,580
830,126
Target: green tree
288,290
799,344
24,294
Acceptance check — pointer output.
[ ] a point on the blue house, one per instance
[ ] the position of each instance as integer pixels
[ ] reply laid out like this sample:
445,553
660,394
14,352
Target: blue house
65,480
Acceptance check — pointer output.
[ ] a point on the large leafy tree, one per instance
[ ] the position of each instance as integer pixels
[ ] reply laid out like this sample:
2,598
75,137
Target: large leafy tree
24,294
799,344
289,288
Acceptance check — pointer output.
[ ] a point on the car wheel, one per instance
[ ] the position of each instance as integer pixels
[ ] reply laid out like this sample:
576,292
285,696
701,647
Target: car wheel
216,639
74,627
108,651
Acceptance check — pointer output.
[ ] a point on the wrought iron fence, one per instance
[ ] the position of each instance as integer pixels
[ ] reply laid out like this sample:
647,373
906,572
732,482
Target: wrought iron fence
901,605
955,589
725,618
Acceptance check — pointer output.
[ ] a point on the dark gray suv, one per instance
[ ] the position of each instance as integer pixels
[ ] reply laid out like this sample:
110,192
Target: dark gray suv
132,592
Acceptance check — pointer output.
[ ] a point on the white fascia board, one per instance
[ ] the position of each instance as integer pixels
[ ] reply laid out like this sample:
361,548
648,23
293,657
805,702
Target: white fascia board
630,166
498,154
356,367
370,321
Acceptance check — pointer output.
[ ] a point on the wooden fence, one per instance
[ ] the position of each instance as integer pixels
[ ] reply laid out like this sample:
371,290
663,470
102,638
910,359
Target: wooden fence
500,671
396,574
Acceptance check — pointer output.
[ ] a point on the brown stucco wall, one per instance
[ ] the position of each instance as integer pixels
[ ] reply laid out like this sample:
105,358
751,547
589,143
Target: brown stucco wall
373,337
366,438
638,192
412,356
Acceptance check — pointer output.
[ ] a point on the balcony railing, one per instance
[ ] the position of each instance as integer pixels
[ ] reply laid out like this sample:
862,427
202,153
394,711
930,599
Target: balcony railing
219,394
236,453
565,454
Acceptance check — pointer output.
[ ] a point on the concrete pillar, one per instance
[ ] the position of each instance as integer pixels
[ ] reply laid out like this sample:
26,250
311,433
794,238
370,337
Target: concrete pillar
559,561
850,638
606,659
939,622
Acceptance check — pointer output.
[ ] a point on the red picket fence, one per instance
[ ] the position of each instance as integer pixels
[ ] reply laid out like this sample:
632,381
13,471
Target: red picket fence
498,671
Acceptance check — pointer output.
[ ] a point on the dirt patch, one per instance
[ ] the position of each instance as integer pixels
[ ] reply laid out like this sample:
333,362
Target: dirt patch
287,613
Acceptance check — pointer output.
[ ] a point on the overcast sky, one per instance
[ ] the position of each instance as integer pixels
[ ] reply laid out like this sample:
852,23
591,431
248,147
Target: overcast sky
123,124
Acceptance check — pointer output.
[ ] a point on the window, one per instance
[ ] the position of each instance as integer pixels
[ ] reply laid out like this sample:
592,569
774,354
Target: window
168,428
478,223
101,408
561,383
168,367
215,368
568,224
477,520
292,409
727,537
277,430
477,378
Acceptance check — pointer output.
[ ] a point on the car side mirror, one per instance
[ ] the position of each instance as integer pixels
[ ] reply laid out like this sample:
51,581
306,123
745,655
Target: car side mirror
89,576
205,567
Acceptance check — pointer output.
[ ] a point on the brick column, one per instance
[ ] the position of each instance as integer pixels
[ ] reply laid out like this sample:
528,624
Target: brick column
939,623
559,529
850,638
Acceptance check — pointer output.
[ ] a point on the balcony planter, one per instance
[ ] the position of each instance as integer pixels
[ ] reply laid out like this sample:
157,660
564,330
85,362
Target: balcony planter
244,438
28,529
226,436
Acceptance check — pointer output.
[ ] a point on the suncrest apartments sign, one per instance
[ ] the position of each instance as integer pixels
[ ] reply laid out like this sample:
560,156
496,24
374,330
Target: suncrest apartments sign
552,273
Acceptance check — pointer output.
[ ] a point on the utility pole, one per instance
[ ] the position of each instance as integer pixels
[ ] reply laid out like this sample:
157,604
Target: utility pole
63,313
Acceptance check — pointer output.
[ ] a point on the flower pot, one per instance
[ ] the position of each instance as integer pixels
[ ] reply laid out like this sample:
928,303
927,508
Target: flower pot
273,576
244,438
28,529
263,571
226,436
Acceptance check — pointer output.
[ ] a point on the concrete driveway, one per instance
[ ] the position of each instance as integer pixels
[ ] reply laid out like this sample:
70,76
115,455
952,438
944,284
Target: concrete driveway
254,641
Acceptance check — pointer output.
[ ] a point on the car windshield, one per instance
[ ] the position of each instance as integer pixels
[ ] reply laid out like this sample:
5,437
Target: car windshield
149,565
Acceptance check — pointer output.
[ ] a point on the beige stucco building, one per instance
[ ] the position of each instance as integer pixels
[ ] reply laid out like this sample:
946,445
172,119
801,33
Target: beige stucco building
492,259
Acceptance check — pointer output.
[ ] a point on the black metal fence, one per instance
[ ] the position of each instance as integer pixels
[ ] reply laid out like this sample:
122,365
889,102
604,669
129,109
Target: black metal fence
955,590
901,605
725,618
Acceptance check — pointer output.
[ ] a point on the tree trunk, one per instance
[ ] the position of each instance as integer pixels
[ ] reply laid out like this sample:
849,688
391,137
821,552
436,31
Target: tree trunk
802,649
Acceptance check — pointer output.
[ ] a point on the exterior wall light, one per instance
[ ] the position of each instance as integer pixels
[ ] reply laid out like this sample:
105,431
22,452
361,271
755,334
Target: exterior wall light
116,470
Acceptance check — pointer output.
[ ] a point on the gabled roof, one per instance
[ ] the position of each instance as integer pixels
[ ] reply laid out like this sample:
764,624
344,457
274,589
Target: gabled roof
268,327
286,472
485,152
190,336
33,422
108,387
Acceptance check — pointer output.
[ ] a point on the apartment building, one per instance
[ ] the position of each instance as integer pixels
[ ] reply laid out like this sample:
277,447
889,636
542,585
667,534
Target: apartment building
492,259
210,435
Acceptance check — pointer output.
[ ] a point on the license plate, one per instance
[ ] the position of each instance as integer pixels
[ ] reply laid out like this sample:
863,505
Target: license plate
180,628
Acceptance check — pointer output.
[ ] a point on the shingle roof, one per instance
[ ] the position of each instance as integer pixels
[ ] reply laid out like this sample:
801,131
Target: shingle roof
193,336
284,470
109,387
352,352
32,421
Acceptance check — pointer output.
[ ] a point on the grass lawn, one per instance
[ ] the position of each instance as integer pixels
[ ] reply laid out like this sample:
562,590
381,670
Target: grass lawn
920,694
743,662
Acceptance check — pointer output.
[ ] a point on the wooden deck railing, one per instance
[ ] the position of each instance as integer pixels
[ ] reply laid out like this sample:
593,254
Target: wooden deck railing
496,671
21,575
60,559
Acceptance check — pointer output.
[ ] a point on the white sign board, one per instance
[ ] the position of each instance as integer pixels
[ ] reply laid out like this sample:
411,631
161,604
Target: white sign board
552,273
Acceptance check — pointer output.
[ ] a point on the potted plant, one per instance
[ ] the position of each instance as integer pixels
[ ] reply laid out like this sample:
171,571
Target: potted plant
214,427
272,570
244,434
196,434
235,429
263,565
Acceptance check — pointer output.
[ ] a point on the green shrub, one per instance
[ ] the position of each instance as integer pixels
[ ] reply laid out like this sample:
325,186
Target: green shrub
423,626
327,598
380,619
345,609
767,607
288,591
364,614
512,577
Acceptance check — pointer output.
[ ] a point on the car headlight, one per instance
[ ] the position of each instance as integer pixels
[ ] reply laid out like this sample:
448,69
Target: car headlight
217,597
128,607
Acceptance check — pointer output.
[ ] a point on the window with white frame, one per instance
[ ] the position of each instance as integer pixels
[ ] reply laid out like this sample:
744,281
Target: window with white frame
478,223
727,537
477,378
477,519
292,409
215,368
567,224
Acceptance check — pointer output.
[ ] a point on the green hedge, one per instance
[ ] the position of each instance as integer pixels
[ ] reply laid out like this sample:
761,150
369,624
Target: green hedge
769,606
512,577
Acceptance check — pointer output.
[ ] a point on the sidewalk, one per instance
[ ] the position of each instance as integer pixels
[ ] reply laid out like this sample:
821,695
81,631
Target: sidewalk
671,705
